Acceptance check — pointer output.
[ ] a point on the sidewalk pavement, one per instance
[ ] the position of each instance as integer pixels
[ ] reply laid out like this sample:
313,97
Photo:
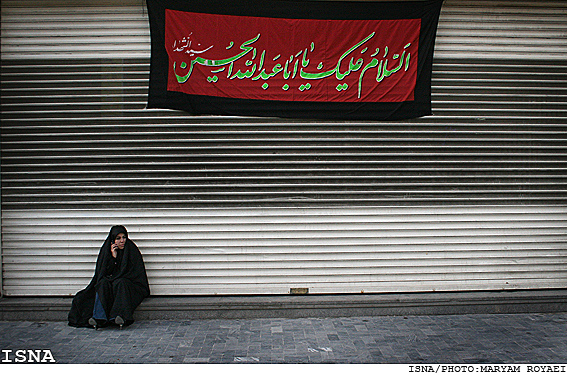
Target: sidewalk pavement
432,339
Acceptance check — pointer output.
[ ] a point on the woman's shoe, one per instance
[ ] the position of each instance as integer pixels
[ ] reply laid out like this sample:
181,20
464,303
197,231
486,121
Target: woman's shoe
93,323
119,321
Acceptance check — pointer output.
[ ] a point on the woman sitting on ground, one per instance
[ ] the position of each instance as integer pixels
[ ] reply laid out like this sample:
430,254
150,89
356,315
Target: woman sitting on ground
118,286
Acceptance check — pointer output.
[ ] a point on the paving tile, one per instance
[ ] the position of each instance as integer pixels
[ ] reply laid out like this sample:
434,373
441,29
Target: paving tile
517,338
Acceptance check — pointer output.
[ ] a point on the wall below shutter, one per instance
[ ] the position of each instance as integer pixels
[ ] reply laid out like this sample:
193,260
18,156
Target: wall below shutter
472,198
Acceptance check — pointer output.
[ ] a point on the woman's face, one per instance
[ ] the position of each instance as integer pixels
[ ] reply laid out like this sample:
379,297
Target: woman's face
120,241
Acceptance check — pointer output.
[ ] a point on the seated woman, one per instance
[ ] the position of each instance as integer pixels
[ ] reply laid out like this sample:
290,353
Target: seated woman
118,286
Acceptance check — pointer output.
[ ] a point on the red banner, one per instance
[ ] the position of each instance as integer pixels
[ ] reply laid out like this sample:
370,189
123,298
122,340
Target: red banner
292,59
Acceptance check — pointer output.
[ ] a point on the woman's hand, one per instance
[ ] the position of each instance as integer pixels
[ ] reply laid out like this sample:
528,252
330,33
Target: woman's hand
114,250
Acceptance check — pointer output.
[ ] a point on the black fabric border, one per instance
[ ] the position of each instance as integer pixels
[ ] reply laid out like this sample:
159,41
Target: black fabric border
427,11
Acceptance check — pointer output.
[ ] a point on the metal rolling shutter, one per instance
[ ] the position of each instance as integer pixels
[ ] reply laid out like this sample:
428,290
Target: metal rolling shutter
472,198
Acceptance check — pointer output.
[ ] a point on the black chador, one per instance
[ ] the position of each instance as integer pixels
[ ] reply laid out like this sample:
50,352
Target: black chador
118,286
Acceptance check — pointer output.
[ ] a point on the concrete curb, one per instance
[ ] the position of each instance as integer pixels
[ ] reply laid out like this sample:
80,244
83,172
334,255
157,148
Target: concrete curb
302,306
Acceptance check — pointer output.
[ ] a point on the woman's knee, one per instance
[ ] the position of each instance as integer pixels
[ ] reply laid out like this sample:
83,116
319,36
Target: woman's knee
121,284
103,283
